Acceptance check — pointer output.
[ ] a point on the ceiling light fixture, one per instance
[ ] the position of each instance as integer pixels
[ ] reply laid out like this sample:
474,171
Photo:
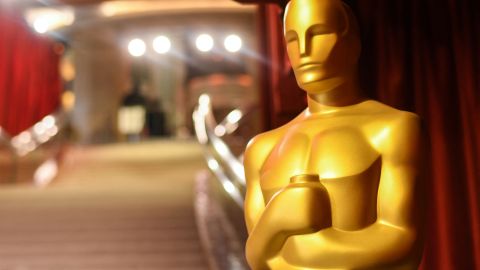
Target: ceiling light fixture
204,43
233,43
137,47
162,44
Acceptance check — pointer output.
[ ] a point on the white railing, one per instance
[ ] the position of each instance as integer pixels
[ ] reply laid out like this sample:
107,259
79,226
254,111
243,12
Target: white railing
38,134
227,168
31,139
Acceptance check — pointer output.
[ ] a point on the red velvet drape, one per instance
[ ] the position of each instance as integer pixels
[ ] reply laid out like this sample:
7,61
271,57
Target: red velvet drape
30,83
421,56
282,97
424,56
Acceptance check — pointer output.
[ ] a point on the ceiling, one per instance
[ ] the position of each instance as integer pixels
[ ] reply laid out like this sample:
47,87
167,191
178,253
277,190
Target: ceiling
119,8
165,2
170,3
132,6
102,10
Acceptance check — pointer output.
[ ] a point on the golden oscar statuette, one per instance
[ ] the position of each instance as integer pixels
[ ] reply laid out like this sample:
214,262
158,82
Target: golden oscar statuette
337,187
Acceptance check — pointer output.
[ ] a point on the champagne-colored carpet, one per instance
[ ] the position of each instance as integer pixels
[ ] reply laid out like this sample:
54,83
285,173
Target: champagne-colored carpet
124,206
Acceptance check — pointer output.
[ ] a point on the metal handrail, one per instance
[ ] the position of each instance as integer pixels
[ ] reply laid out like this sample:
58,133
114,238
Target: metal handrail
221,161
38,134
31,139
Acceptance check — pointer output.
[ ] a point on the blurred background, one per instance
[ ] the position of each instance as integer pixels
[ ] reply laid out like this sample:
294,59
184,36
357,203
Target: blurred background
123,124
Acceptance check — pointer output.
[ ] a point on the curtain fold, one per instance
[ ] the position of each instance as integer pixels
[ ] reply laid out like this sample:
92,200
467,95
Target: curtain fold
30,82
425,59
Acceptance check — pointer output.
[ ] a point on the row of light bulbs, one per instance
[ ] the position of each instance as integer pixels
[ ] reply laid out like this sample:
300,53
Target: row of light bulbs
204,43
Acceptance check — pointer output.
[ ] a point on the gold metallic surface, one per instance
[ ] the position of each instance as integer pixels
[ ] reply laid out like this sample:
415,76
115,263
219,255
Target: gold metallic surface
337,187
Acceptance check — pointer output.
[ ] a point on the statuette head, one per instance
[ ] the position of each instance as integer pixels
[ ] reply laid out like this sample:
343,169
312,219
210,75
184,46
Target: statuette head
323,42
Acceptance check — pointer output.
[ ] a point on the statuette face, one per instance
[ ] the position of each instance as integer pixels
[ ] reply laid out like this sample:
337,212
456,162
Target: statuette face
337,187
322,41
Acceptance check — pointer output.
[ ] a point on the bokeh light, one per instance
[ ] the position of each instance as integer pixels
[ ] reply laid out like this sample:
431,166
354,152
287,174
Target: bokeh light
137,47
233,43
204,43
41,25
162,44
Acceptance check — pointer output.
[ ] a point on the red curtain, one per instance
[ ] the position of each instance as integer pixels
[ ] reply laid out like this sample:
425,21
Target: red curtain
421,56
282,98
30,83
424,56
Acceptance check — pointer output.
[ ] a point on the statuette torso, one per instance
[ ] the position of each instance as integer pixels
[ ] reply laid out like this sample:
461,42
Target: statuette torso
365,153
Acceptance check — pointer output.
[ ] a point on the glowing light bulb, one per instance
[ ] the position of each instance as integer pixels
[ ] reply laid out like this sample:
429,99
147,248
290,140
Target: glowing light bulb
162,44
233,43
204,43
41,25
137,47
